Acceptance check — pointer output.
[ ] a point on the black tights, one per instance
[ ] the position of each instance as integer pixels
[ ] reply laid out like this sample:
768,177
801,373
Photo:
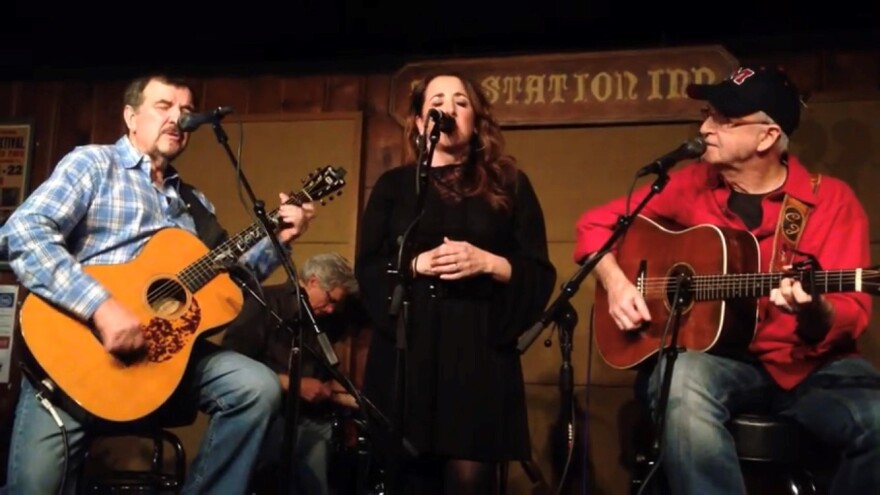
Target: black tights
451,477
463,477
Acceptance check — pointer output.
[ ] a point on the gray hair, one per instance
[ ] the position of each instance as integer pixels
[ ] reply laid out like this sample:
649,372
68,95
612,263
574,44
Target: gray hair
331,270
781,144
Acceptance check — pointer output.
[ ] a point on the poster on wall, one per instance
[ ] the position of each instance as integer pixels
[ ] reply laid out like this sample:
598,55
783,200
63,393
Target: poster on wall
8,296
15,164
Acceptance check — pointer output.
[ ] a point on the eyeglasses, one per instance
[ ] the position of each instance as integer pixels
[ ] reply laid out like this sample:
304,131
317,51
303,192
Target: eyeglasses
331,299
724,122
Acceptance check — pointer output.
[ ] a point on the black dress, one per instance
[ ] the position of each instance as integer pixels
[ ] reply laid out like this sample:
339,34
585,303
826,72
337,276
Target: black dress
465,396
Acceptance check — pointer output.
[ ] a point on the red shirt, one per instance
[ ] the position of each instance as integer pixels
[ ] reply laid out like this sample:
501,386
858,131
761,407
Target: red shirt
836,233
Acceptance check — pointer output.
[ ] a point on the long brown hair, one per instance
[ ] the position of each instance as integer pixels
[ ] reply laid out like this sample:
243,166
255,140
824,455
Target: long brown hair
490,172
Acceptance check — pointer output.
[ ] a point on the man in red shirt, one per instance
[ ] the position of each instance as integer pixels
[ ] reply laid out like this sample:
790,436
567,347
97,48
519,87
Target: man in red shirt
803,361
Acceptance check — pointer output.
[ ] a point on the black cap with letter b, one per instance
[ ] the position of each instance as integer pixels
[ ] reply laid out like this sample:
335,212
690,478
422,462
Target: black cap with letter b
754,89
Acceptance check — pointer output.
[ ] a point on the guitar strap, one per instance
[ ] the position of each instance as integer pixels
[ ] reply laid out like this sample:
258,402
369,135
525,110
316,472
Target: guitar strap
207,226
790,227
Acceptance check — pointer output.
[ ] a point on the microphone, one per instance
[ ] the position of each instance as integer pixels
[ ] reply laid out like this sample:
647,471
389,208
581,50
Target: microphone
692,148
189,122
444,121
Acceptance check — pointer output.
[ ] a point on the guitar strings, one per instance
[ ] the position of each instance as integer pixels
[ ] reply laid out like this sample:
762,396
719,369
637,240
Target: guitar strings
708,282
770,277
751,282
202,270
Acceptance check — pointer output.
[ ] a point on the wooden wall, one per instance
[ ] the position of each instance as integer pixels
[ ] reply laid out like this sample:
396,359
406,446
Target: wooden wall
70,113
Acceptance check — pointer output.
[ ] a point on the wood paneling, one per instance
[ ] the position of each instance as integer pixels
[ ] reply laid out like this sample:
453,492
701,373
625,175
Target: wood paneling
304,94
852,71
75,116
39,101
383,133
223,91
343,94
377,94
265,95
841,139
805,70
108,105
7,98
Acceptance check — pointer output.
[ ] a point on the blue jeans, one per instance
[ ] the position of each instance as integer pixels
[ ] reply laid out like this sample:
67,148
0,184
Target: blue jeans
839,403
239,394
311,455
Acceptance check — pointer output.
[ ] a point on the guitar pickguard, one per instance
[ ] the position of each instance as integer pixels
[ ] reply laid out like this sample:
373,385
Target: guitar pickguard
165,338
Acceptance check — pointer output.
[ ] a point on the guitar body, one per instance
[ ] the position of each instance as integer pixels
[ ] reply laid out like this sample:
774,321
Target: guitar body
656,251
172,318
178,289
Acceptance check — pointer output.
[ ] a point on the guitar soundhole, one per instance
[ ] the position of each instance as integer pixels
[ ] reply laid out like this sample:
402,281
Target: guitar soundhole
679,270
166,297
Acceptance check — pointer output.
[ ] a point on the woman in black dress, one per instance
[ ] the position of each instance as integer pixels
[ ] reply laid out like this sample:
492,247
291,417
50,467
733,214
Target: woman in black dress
481,276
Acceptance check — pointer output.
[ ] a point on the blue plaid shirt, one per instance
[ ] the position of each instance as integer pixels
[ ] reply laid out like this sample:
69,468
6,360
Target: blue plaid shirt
98,207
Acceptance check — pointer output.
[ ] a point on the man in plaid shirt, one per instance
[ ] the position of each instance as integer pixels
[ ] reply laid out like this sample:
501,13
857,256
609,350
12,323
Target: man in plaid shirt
100,206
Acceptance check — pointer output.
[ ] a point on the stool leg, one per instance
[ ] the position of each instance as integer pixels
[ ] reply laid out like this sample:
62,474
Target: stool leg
179,459
158,459
801,482
362,469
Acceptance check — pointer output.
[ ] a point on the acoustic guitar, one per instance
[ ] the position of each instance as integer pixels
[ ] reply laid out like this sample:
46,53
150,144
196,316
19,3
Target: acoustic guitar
179,289
721,267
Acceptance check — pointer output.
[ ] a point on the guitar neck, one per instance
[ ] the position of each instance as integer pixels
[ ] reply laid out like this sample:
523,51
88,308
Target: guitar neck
714,287
754,285
219,259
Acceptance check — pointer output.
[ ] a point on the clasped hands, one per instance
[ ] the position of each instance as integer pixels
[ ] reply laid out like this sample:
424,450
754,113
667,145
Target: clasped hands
452,260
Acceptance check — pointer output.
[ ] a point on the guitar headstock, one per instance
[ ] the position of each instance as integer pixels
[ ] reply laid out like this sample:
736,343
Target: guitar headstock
322,184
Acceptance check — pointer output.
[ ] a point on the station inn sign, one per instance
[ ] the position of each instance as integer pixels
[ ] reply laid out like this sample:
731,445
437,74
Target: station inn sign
586,88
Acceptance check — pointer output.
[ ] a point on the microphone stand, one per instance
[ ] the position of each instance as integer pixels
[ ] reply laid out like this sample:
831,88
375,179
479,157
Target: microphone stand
374,418
561,312
587,264
400,305
669,352
567,320
294,369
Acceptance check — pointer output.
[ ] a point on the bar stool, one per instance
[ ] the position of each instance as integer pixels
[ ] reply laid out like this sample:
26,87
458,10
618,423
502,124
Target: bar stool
155,478
769,441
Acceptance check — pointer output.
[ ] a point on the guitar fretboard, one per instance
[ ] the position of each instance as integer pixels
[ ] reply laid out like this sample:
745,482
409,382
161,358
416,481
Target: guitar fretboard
753,285
203,270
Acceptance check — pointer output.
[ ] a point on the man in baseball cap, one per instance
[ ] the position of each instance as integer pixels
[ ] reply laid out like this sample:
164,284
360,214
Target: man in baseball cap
801,358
